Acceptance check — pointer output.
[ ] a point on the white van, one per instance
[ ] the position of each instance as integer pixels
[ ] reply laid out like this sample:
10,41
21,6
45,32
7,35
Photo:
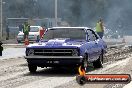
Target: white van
33,34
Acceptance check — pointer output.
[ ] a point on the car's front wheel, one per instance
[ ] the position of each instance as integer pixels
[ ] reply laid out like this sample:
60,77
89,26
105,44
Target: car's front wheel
85,62
32,68
98,63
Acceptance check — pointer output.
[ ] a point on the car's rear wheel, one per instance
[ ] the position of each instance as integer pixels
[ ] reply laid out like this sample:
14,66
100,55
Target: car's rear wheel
98,63
32,68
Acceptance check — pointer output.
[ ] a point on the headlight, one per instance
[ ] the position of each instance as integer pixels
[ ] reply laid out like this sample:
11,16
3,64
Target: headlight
30,52
74,52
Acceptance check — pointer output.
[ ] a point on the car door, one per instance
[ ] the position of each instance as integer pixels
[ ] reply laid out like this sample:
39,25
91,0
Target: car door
94,41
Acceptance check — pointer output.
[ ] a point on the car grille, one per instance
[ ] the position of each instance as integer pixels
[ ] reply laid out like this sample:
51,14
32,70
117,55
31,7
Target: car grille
53,52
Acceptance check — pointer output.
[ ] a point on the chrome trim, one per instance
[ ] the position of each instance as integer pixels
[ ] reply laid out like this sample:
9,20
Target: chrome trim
53,57
52,52
55,52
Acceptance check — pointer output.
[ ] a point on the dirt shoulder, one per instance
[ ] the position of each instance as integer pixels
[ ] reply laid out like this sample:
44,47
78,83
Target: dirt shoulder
14,73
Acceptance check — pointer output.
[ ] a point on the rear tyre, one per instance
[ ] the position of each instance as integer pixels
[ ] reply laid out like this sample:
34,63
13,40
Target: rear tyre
98,63
32,68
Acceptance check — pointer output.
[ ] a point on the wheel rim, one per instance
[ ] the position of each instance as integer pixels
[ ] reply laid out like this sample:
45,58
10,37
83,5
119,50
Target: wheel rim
101,59
85,64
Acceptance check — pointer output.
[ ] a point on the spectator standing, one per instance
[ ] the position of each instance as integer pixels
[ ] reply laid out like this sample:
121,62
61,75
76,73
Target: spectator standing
100,28
1,48
26,29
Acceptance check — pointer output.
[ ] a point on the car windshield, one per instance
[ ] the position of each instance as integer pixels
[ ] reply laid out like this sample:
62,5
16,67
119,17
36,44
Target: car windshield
72,33
34,29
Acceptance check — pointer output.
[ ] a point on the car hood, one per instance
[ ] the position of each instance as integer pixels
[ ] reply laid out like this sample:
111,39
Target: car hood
58,43
30,33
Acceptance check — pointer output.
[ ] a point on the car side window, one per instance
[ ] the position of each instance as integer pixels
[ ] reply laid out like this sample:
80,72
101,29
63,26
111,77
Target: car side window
91,36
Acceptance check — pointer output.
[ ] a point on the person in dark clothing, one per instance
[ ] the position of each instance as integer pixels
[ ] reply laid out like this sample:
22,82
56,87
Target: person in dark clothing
21,27
1,48
7,32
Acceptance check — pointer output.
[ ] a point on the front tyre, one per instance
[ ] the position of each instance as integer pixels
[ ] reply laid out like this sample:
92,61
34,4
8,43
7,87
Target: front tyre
85,62
98,63
32,68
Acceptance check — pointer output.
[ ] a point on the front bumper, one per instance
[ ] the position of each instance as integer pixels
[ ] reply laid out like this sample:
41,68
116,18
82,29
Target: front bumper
51,61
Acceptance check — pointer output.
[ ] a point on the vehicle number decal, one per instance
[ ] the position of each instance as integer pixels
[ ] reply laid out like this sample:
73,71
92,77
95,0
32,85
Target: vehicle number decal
50,62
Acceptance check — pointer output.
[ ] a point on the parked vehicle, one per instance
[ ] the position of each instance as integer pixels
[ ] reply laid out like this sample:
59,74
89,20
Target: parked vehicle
66,46
34,35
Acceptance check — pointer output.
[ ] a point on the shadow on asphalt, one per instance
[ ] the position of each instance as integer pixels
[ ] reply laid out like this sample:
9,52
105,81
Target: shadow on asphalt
57,72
